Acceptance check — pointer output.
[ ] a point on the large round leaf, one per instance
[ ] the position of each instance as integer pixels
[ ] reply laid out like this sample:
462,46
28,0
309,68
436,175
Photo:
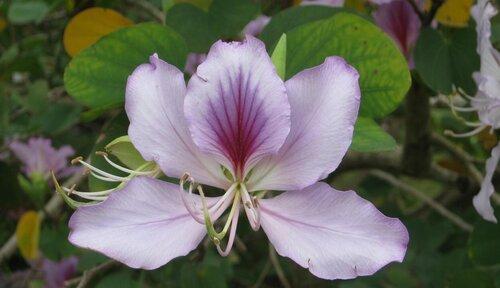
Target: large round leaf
446,62
293,17
97,76
384,75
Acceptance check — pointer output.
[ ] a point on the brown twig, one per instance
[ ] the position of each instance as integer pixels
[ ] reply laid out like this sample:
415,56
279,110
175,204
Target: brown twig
51,209
432,12
263,274
277,267
454,218
417,10
91,274
464,157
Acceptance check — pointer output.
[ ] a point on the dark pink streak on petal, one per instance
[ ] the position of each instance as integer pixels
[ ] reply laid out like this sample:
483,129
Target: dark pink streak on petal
399,20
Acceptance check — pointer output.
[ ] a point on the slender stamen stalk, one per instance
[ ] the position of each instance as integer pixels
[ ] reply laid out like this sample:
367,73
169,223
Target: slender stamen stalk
467,134
250,209
99,171
121,168
232,233
103,178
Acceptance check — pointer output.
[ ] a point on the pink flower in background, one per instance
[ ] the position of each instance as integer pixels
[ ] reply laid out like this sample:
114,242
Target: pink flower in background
331,3
256,26
56,273
192,62
238,127
399,20
39,157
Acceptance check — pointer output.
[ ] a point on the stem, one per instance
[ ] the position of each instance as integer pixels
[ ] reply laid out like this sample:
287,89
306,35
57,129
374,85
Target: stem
277,267
432,13
466,159
91,274
416,152
263,274
454,218
417,10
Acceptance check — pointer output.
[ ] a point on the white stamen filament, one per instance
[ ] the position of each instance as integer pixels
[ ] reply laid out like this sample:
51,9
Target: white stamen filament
103,173
232,234
250,209
467,134
123,169
103,178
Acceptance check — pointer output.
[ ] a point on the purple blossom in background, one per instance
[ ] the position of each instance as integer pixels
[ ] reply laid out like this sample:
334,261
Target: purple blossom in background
56,273
331,3
237,126
399,20
39,157
192,62
256,26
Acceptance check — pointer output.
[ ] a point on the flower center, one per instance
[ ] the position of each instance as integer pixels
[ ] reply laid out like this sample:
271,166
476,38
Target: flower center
208,213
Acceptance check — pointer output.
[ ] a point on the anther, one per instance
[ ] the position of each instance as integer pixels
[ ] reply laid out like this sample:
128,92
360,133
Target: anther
216,241
77,160
101,153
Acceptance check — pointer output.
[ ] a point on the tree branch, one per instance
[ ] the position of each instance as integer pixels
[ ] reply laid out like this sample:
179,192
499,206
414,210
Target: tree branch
454,218
277,267
92,274
464,157
51,209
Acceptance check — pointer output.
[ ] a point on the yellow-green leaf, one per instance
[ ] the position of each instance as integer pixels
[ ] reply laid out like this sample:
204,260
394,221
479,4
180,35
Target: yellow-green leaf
28,235
90,25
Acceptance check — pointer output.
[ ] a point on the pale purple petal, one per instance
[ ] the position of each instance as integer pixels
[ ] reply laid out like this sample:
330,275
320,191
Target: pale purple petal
401,22
331,3
236,105
325,102
256,26
482,200
39,156
56,273
144,225
154,104
482,13
336,235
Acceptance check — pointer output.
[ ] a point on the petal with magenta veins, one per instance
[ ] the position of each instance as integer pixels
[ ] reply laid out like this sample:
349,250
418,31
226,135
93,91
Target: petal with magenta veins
236,105
325,102
144,225
336,235
154,105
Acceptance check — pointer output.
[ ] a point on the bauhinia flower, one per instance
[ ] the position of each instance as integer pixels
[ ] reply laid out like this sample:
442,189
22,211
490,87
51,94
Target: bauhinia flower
56,273
238,127
487,100
399,20
39,158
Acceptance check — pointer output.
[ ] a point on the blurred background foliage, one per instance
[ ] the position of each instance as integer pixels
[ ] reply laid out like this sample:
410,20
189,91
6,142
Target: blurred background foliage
63,69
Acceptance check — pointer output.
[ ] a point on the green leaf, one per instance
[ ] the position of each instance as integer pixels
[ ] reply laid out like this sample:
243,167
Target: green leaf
198,32
471,278
384,76
97,76
443,62
370,137
224,19
123,149
231,16
483,243
293,17
279,56
24,12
